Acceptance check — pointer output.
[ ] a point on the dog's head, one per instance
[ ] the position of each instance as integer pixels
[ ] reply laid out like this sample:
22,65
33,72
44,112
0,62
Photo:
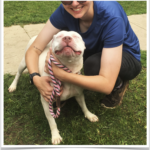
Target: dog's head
67,45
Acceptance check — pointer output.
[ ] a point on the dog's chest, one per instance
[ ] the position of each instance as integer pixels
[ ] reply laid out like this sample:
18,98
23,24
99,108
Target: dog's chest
70,90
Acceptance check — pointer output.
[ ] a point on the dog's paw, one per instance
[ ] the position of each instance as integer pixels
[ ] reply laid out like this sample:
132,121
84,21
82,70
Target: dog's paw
56,139
12,88
91,117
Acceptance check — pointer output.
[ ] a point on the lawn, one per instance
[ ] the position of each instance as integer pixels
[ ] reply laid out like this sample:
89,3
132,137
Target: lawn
27,12
25,122
24,119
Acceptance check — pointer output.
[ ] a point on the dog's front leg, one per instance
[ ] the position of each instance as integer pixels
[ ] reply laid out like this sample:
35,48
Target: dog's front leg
56,138
81,101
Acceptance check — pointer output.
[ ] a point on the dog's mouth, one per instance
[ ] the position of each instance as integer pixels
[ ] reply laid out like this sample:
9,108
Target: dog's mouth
67,51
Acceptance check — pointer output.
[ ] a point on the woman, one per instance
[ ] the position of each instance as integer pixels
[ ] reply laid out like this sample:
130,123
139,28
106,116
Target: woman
112,55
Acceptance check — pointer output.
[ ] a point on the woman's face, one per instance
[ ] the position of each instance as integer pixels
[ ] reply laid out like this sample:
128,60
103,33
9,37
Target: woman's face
78,10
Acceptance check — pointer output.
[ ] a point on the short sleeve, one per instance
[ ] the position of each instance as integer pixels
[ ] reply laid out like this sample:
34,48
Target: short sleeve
58,18
113,34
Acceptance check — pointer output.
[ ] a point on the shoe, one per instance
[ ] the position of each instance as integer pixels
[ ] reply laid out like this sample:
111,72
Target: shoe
114,99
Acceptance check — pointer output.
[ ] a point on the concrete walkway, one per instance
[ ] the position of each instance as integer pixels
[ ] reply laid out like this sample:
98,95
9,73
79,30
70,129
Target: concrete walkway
16,39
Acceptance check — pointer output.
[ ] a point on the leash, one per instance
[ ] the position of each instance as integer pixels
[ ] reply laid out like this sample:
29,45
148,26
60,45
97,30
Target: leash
57,84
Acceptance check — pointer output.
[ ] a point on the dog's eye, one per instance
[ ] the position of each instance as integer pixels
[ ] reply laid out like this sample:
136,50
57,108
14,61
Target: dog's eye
76,37
60,36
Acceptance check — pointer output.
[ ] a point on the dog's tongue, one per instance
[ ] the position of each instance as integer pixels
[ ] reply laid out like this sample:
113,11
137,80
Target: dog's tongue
67,51
78,52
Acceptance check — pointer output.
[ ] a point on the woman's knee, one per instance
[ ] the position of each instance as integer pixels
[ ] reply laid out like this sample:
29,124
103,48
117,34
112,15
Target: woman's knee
130,67
92,64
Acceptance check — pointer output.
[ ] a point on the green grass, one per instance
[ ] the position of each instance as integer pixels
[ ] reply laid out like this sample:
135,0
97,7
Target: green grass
134,7
27,12
26,124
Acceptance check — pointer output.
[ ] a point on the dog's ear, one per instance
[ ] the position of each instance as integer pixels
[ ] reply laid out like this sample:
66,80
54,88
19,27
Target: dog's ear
52,39
84,45
51,42
54,36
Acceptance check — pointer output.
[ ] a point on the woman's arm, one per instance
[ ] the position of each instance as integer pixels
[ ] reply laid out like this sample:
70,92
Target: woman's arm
105,81
32,58
44,37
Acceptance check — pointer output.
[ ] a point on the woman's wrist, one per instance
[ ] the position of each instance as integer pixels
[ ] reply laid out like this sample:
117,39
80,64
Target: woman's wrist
36,79
63,76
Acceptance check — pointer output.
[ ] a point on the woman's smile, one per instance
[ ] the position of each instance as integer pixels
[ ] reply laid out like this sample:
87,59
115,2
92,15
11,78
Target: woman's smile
77,10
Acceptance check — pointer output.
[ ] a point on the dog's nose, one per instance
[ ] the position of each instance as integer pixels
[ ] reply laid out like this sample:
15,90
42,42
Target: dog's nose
67,39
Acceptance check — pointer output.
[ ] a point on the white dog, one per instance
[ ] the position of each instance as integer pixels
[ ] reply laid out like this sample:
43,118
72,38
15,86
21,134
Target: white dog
68,47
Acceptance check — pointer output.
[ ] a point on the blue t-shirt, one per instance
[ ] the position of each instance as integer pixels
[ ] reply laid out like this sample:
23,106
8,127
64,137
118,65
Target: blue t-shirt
110,28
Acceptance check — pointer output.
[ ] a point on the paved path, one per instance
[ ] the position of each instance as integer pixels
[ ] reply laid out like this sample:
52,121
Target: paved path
16,39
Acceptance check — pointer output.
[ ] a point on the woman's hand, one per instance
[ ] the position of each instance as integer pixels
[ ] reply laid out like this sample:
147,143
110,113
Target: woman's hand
43,85
58,72
46,61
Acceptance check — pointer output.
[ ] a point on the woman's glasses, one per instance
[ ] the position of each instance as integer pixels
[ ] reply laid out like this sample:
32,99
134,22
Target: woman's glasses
70,2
